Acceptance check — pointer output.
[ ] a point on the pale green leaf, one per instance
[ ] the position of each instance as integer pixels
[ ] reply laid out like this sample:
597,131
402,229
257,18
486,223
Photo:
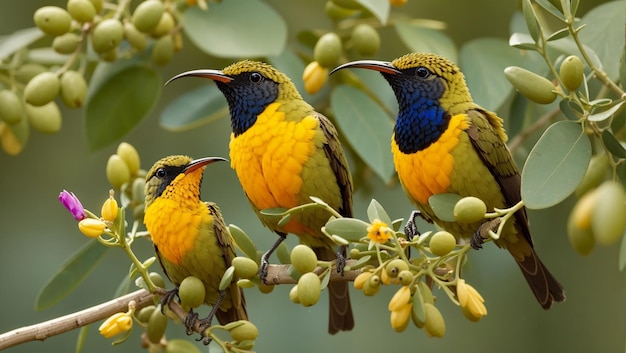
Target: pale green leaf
243,242
422,39
380,8
555,165
229,274
547,5
531,19
376,211
351,229
46,56
17,40
562,33
70,275
197,107
522,41
443,206
120,103
282,252
236,29
366,126
613,144
603,115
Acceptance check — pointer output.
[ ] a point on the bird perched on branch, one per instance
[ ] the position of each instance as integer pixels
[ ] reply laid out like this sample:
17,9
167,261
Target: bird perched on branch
284,152
443,142
190,237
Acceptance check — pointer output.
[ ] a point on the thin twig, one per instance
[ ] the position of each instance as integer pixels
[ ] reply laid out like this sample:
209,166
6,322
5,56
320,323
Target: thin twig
536,126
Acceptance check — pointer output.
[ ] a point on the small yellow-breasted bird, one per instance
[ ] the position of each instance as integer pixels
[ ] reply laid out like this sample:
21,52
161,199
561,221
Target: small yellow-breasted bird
284,152
443,142
189,236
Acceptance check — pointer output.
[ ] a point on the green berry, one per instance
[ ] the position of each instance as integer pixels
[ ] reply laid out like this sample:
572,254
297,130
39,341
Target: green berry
81,10
137,190
405,277
11,112
42,89
335,12
144,314
147,15
163,50
595,174
109,56
165,25
365,39
130,156
245,267
97,4
73,89
107,35
572,72
395,266
327,50
137,39
53,20
156,325
244,332
469,210
66,43
532,86
441,243
45,118
117,171
371,286
293,295
156,279
265,289
608,219
309,289
26,72
303,258
191,292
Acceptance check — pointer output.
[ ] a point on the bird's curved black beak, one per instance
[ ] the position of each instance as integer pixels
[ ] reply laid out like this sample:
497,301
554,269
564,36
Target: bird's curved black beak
215,75
381,66
201,162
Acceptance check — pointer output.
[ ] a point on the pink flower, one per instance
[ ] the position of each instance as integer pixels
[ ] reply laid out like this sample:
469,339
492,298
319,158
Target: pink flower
72,203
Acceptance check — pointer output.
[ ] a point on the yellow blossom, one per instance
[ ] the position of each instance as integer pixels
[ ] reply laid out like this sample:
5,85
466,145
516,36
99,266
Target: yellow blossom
92,228
379,231
400,299
400,318
314,77
471,301
116,324
360,280
109,209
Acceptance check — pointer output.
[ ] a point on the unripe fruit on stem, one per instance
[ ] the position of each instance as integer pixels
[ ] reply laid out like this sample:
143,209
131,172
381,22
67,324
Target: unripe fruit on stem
441,243
73,89
143,316
137,39
244,332
309,289
335,12
365,39
293,295
81,10
11,112
532,86
394,267
165,25
608,220
66,43
45,119
117,171
26,72
53,20
130,156
42,89
191,292
360,280
265,289
245,267
303,259
156,326
327,50
107,35
371,286
180,346
405,277
147,15
469,210
97,4
156,279
572,72
595,174
163,50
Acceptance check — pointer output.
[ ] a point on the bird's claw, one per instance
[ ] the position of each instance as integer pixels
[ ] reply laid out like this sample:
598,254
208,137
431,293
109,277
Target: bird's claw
341,259
263,270
190,322
477,241
167,298
410,229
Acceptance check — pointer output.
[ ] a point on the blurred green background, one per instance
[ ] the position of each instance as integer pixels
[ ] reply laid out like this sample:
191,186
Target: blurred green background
38,234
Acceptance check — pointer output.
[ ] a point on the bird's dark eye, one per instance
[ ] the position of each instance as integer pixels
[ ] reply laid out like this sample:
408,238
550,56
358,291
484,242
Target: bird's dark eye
256,77
160,173
422,72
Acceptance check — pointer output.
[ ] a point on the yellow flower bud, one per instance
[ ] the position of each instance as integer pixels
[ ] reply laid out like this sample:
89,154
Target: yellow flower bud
470,300
400,318
109,209
434,326
116,324
314,77
91,227
360,280
400,299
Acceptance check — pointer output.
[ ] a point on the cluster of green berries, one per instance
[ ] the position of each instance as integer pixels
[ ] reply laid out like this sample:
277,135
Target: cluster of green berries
124,173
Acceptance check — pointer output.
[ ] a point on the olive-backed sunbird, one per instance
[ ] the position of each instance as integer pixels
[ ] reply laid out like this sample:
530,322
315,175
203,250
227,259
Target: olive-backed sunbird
284,152
443,142
190,237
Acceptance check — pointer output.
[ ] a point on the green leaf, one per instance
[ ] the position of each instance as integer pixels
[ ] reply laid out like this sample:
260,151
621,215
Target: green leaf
531,19
605,34
376,211
120,103
522,41
359,263
428,40
236,29
197,107
366,126
46,56
547,5
556,165
274,212
570,109
70,275
282,252
379,8
243,242
229,274
17,40
603,115
351,229
613,145
443,206
562,33
290,64
622,254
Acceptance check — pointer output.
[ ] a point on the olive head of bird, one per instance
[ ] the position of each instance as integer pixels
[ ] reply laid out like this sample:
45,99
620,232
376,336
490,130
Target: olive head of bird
169,171
249,87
